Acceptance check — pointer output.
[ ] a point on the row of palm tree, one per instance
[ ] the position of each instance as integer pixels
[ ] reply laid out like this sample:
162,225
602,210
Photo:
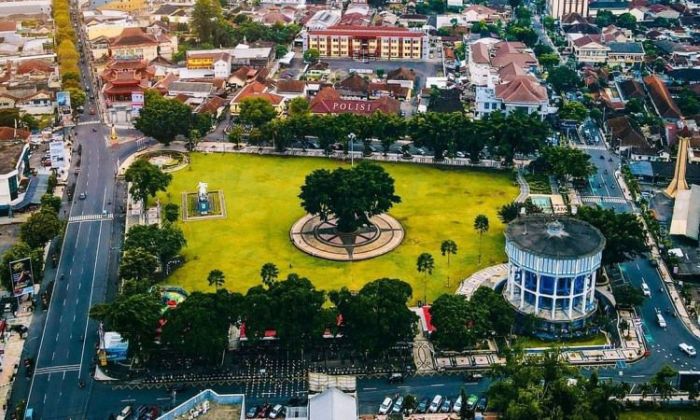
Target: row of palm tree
425,263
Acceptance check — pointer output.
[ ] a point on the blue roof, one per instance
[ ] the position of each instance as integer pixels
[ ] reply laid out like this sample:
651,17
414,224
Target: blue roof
641,168
38,185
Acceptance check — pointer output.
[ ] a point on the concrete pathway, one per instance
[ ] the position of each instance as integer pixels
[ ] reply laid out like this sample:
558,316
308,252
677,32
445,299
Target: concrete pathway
524,188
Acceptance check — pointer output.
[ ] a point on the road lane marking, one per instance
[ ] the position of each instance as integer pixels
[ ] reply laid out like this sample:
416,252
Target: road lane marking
92,287
369,389
437,385
91,218
53,356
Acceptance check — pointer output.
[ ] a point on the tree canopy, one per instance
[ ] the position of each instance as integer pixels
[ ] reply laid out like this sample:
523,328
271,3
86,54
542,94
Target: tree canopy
624,233
164,118
256,112
567,162
164,242
352,195
146,179
376,317
563,78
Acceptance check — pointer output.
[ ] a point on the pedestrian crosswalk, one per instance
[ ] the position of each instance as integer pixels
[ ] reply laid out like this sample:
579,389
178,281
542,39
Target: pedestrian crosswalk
96,122
91,217
589,147
604,199
56,369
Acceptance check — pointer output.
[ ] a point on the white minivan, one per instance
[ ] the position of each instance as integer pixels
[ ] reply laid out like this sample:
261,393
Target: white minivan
435,405
645,290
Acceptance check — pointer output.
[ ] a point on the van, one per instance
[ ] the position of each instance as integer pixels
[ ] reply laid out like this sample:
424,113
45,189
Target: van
660,319
435,405
125,413
645,290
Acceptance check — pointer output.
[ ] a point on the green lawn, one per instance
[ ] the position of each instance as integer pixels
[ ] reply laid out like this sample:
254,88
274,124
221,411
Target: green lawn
531,342
663,414
262,204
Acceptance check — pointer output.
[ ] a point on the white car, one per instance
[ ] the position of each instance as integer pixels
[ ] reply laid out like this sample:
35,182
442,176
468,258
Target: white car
457,405
645,290
435,405
386,406
687,349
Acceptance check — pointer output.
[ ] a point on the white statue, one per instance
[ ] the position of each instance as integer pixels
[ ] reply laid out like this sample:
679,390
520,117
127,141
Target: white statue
202,187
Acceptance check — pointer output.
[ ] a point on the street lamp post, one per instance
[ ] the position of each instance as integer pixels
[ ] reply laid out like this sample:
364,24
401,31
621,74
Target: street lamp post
351,138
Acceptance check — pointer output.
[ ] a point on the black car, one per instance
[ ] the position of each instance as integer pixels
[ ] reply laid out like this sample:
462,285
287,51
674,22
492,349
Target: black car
423,406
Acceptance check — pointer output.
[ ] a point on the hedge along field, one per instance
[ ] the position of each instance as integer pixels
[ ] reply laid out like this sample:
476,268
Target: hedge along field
262,204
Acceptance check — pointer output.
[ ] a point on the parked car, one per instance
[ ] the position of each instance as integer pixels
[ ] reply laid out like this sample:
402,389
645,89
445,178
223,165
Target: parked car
687,349
252,412
398,405
422,406
435,404
277,411
482,404
396,378
265,411
125,413
446,406
457,405
385,406
471,401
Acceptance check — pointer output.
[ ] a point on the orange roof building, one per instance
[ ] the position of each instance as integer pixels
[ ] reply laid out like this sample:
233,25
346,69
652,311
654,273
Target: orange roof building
377,42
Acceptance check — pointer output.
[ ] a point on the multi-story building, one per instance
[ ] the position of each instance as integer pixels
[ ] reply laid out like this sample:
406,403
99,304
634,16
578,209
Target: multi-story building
125,5
213,62
362,42
519,93
139,44
560,8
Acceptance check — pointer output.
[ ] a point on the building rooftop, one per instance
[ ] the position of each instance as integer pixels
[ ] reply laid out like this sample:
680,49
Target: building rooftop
10,153
559,238
626,47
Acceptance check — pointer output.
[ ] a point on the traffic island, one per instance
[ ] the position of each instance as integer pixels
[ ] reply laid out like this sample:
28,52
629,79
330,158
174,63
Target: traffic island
321,238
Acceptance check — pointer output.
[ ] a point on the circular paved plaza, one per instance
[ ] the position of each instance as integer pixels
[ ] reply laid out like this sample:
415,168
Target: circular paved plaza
322,239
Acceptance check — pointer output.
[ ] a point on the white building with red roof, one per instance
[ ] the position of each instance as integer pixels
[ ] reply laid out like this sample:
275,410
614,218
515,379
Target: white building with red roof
518,92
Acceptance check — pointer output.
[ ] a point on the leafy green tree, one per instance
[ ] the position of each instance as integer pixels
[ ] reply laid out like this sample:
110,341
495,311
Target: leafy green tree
171,212
688,102
50,202
661,381
604,18
205,14
481,225
627,21
135,317
628,296
165,242
18,251
146,179
425,264
298,106
515,133
448,247
198,327
41,227
634,106
281,51
563,78
256,112
567,162
572,110
268,274
216,278
311,55
163,118
508,212
623,232
387,128
138,264
449,315
298,316
377,317
235,135
77,97
352,195
433,130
